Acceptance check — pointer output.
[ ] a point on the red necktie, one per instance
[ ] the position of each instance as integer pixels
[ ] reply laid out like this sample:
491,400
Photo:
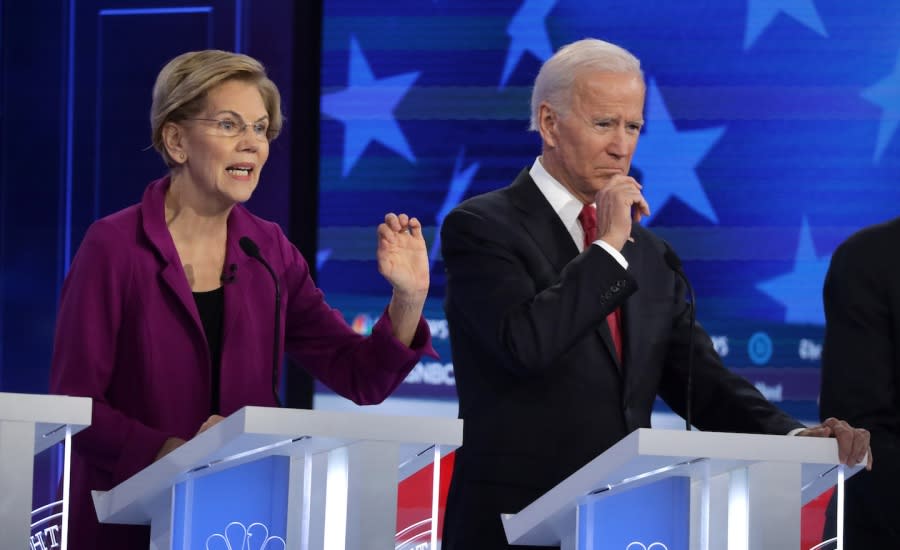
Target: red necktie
588,219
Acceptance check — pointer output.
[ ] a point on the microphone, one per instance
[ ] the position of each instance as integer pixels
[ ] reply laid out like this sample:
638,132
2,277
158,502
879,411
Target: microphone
674,264
251,249
230,275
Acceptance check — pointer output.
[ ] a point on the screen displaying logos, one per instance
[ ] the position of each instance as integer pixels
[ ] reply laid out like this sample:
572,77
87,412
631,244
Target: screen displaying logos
757,158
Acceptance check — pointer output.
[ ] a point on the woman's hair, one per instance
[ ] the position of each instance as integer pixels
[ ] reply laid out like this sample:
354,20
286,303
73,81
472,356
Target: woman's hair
555,81
183,84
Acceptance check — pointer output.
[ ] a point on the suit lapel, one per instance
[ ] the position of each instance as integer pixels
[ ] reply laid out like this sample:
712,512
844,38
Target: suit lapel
541,222
544,226
630,321
606,335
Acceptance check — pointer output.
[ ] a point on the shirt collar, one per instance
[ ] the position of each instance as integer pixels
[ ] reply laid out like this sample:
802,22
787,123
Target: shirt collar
563,202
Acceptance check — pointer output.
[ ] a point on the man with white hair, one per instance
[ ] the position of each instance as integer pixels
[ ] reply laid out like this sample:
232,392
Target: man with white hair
565,320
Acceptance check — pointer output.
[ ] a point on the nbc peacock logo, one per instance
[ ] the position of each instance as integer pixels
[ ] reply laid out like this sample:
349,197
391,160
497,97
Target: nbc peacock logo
362,324
236,536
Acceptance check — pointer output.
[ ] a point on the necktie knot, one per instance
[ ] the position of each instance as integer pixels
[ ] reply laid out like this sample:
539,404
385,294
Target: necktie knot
588,219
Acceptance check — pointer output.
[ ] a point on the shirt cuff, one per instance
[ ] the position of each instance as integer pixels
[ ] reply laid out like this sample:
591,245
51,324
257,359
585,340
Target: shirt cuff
612,252
795,431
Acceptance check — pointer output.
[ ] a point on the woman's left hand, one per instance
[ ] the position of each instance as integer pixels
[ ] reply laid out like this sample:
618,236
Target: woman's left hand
403,257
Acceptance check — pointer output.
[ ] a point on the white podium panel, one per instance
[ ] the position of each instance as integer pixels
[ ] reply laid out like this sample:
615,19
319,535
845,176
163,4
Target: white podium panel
746,489
338,471
30,426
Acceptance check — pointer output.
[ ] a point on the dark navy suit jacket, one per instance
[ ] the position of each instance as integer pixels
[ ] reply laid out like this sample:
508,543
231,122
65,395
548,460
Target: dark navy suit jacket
540,388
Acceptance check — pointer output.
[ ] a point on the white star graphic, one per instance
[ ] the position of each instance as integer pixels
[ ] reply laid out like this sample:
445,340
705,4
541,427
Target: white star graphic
761,13
668,159
366,107
886,94
800,291
529,34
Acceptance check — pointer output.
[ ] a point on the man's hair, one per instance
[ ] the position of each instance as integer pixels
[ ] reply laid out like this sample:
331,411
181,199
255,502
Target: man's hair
555,81
183,84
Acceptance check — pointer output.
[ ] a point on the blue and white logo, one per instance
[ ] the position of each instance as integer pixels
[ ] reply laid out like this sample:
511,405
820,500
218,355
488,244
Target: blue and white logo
610,522
238,537
759,348
641,546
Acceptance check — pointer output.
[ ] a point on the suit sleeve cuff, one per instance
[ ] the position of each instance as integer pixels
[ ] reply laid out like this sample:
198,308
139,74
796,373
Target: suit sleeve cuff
612,252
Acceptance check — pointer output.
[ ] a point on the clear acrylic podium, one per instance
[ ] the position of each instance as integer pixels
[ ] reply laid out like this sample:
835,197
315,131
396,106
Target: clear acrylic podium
273,478
742,491
31,425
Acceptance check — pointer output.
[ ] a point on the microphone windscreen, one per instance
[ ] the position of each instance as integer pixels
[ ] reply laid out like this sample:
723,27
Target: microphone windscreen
249,247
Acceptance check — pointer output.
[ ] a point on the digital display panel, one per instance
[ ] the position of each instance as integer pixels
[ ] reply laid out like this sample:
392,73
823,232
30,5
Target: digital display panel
771,135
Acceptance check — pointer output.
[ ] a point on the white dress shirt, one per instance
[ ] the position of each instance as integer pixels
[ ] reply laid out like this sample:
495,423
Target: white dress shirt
567,207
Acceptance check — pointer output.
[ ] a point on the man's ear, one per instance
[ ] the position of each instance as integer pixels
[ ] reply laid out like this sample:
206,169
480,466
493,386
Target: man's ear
548,119
173,140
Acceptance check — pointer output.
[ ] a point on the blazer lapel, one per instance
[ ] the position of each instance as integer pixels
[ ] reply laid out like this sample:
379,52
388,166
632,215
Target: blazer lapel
237,291
153,221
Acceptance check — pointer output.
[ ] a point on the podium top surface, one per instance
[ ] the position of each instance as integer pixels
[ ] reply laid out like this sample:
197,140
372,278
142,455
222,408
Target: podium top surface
256,432
648,454
50,414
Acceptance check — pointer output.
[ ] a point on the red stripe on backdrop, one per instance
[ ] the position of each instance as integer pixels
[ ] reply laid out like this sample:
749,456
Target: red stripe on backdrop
414,498
812,520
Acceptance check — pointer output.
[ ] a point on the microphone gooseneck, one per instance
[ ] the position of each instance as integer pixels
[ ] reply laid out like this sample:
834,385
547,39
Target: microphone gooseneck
674,264
251,249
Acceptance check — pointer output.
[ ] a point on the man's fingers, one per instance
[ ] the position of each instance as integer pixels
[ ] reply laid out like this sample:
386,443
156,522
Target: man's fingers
853,443
861,439
816,431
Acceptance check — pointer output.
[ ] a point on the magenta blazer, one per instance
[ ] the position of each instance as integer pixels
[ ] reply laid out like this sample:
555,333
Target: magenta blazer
128,336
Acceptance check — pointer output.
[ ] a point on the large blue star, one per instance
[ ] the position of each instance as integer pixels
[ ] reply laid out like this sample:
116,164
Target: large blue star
760,13
322,257
528,34
668,158
459,184
800,291
366,107
886,94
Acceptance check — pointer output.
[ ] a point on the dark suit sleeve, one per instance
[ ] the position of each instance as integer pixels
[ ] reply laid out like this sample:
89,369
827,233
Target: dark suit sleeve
721,400
522,313
860,358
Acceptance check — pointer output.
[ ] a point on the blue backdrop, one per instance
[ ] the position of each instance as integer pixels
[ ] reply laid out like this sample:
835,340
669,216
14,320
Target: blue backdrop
771,136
